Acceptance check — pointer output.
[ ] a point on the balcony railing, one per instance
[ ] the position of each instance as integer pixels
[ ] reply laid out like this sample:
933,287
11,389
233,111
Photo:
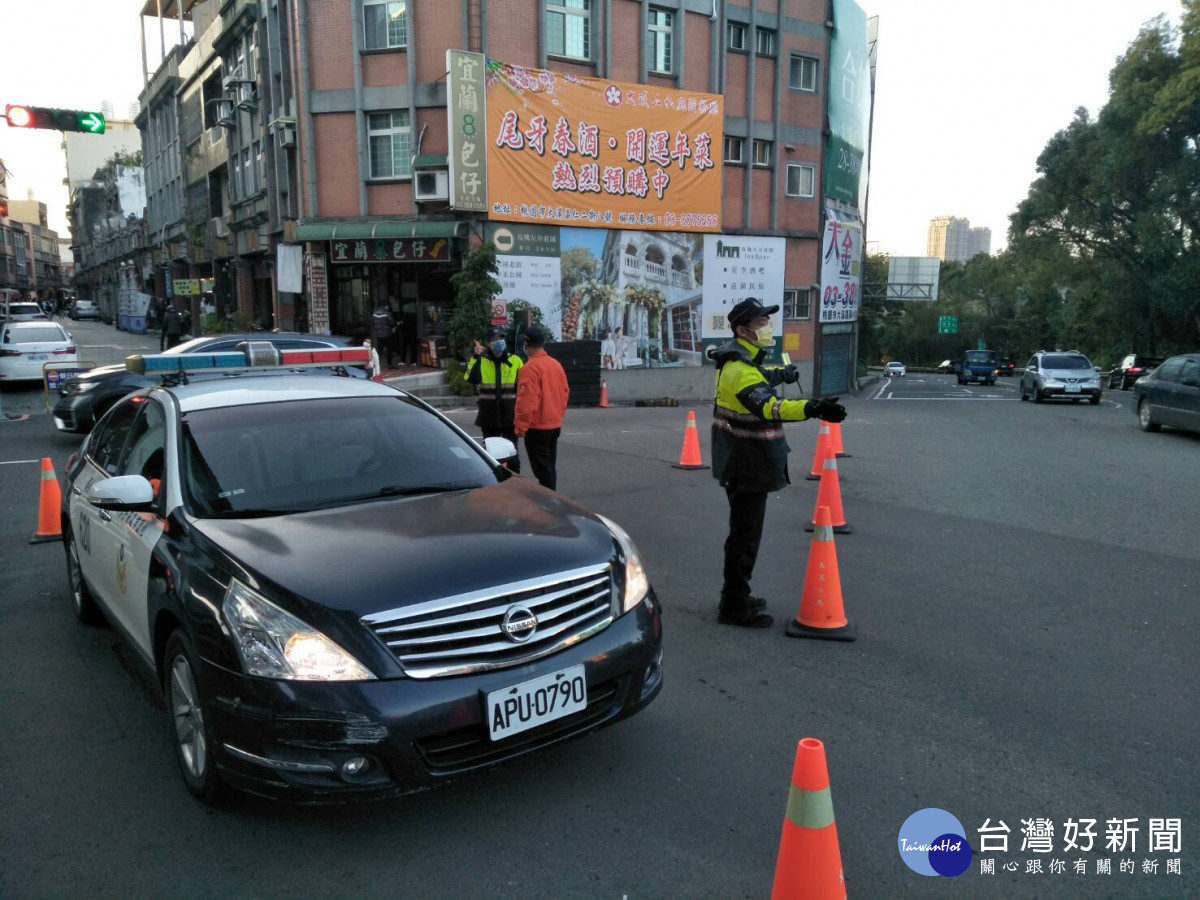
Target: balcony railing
656,271
681,279
631,265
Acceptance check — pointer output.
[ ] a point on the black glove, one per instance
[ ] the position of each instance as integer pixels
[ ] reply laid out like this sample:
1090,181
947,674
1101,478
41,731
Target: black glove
791,375
827,410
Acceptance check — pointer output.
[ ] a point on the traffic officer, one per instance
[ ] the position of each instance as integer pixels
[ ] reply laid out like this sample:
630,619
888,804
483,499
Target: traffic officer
749,450
493,371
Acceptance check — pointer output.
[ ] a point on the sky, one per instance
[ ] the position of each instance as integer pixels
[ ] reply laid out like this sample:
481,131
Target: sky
968,93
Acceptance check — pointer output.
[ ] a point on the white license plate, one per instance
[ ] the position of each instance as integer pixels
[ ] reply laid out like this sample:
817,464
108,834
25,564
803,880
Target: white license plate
1073,389
39,357
533,703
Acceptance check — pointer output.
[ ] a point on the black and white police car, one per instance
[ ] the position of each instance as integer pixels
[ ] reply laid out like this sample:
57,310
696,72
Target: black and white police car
341,593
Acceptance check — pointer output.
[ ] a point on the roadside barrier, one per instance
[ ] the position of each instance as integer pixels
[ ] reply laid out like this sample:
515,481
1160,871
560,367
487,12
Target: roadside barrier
49,528
809,865
821,615
689,454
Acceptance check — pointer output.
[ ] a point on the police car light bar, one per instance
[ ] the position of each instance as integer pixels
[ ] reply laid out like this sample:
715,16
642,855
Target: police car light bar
256,357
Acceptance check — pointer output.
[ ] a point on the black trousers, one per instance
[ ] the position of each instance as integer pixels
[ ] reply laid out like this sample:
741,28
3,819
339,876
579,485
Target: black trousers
507,433
746,514
541,446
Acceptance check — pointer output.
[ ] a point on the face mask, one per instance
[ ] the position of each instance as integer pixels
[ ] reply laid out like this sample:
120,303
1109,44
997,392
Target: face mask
764,337
498,347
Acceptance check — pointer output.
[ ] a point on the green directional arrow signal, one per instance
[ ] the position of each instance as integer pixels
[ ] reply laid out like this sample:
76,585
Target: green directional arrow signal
91,122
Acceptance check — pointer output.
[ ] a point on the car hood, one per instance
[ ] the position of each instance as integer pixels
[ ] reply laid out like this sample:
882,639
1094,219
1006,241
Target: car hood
100,372
380,555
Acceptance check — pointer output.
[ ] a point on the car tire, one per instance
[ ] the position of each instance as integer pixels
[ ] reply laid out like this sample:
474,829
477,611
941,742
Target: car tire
1126,384
189,722
1146,417
86,610
1094,400
1024,395
1037,395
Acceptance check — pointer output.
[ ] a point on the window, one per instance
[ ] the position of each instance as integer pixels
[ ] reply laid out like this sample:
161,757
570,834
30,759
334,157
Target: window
762,153
247,173
797,303
737,36
685,327
569,28
256,160
658,40
385,25
734,148
801,180
388,137
1190,375
237,176
764,39
105,448
803,75
1171,370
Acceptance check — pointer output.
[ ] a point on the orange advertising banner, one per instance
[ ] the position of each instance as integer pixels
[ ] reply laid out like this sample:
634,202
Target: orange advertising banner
569,150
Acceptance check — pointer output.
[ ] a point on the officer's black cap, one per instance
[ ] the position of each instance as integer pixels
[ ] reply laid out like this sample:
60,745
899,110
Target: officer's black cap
496,332
746,310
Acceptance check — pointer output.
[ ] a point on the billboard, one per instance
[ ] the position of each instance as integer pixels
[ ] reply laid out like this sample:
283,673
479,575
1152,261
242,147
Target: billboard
464,122
913,277
568,150
841,267
739,267
849,106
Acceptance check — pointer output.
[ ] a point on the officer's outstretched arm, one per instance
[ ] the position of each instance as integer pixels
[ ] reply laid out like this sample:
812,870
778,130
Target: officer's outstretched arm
759,400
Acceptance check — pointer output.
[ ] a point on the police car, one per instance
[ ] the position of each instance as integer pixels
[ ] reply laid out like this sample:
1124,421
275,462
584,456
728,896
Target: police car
340,592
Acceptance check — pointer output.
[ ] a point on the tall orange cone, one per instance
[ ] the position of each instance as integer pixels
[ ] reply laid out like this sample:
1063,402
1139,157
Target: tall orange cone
689,455
835,434
819,454
49,527
809,866
830,494
821,615
603,394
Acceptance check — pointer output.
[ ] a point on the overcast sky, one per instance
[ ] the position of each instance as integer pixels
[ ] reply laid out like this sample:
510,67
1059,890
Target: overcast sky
968,93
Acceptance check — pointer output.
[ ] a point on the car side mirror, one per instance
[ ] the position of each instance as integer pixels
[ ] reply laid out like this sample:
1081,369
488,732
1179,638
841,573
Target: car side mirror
122,493
500,449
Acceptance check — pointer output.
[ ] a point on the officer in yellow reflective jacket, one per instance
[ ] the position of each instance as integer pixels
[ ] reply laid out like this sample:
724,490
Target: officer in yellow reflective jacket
493,371
749,450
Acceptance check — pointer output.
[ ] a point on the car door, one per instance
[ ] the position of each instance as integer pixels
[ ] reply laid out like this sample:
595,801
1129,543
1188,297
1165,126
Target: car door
1164,391
1188,396
95,528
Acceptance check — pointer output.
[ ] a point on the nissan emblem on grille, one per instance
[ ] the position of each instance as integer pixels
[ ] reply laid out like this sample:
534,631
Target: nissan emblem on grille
519,624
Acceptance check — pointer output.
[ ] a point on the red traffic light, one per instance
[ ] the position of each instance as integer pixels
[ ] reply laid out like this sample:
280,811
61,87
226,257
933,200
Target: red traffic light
19,116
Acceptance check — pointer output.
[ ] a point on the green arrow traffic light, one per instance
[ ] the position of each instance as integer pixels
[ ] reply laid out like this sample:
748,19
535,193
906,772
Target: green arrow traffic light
55,119
91,122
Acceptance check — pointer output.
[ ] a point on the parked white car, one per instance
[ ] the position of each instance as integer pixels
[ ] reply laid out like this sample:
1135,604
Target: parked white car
22,312
27,346
893,369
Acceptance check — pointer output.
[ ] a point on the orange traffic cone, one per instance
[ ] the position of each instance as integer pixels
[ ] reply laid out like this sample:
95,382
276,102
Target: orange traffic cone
821,614
835,434
830,494
822,448
810,862
689,456
603,394
49,503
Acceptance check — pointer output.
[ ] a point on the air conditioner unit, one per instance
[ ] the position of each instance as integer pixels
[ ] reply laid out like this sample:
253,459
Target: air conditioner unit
433,184
220,227
286,135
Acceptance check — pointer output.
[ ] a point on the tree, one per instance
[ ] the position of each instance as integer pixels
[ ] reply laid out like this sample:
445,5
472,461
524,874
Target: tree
474,288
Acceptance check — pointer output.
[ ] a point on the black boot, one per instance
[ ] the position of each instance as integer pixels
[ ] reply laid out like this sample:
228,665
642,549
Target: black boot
746,613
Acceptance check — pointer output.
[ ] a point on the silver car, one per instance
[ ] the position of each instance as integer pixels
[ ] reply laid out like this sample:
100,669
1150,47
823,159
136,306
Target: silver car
1061,373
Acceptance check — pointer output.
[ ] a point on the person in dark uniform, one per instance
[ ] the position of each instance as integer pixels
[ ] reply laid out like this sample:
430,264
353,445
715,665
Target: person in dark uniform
172,328
493,371
749,450
383,323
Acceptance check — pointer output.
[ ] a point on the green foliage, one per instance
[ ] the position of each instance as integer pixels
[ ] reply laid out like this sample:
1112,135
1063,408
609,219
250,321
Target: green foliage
474,288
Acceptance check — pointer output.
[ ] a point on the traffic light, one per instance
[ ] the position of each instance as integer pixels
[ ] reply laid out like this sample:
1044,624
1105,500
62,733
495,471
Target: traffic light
56,119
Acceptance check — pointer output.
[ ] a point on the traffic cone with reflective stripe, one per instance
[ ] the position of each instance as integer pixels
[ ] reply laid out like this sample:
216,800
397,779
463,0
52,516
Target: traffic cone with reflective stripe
689,455
830,494
49,527
603,394
810,862
835,435
819,454
821,615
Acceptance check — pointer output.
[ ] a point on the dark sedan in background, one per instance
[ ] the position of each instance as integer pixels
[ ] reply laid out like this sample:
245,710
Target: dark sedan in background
1130,369
1170,395
87,397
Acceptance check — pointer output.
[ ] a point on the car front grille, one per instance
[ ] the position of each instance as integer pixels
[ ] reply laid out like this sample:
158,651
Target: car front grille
467,633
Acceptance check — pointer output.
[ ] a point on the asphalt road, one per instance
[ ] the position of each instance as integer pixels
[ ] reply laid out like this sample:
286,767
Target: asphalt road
1023,579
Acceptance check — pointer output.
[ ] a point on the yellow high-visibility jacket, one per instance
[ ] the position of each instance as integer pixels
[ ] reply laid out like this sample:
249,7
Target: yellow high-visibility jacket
496,380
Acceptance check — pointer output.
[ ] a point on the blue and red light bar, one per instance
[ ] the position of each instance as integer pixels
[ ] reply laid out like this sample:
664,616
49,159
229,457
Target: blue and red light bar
258,356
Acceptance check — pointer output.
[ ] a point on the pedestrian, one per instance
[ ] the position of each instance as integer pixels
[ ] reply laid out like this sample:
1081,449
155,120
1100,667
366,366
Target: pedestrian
542,395
374,371
749,450
172,328
493,371
383,323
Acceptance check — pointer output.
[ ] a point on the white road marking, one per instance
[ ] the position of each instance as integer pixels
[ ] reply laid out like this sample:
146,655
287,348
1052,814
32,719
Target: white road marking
17,462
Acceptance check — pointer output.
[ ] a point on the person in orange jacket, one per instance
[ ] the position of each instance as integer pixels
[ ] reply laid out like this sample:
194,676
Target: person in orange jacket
542,394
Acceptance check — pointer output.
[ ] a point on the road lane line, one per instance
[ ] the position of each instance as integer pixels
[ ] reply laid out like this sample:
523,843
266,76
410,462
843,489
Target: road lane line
17,462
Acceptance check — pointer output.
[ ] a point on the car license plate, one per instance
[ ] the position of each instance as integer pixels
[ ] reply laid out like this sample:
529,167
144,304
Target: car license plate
1073,389
39,357
533,703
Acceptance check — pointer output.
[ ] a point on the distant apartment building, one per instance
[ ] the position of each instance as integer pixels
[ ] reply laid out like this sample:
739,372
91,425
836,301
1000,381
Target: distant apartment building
952,239
29,253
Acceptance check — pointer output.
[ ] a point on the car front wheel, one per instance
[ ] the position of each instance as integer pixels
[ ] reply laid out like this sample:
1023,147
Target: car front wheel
85,607
191,733
1037,394
1146,417
1024,394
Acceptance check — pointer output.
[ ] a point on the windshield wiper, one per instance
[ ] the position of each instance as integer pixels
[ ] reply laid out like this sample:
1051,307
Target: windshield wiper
253,513
396,490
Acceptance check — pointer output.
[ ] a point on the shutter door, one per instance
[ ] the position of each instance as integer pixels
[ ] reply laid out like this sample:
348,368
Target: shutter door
835,363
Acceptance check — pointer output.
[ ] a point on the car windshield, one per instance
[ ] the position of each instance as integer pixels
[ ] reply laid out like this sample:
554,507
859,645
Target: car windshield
1065,362
38,335
24,309
895,365
981,356
273,458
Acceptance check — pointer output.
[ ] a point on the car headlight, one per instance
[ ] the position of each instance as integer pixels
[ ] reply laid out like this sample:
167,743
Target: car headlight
637,583
275,644
79,387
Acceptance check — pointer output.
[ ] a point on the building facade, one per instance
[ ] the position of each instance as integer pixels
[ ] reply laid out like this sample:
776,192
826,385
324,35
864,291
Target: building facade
29,252
952,239
979,240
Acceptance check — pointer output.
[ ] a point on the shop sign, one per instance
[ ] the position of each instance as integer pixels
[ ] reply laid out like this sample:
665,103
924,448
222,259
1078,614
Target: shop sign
465,123
384,250
318,293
